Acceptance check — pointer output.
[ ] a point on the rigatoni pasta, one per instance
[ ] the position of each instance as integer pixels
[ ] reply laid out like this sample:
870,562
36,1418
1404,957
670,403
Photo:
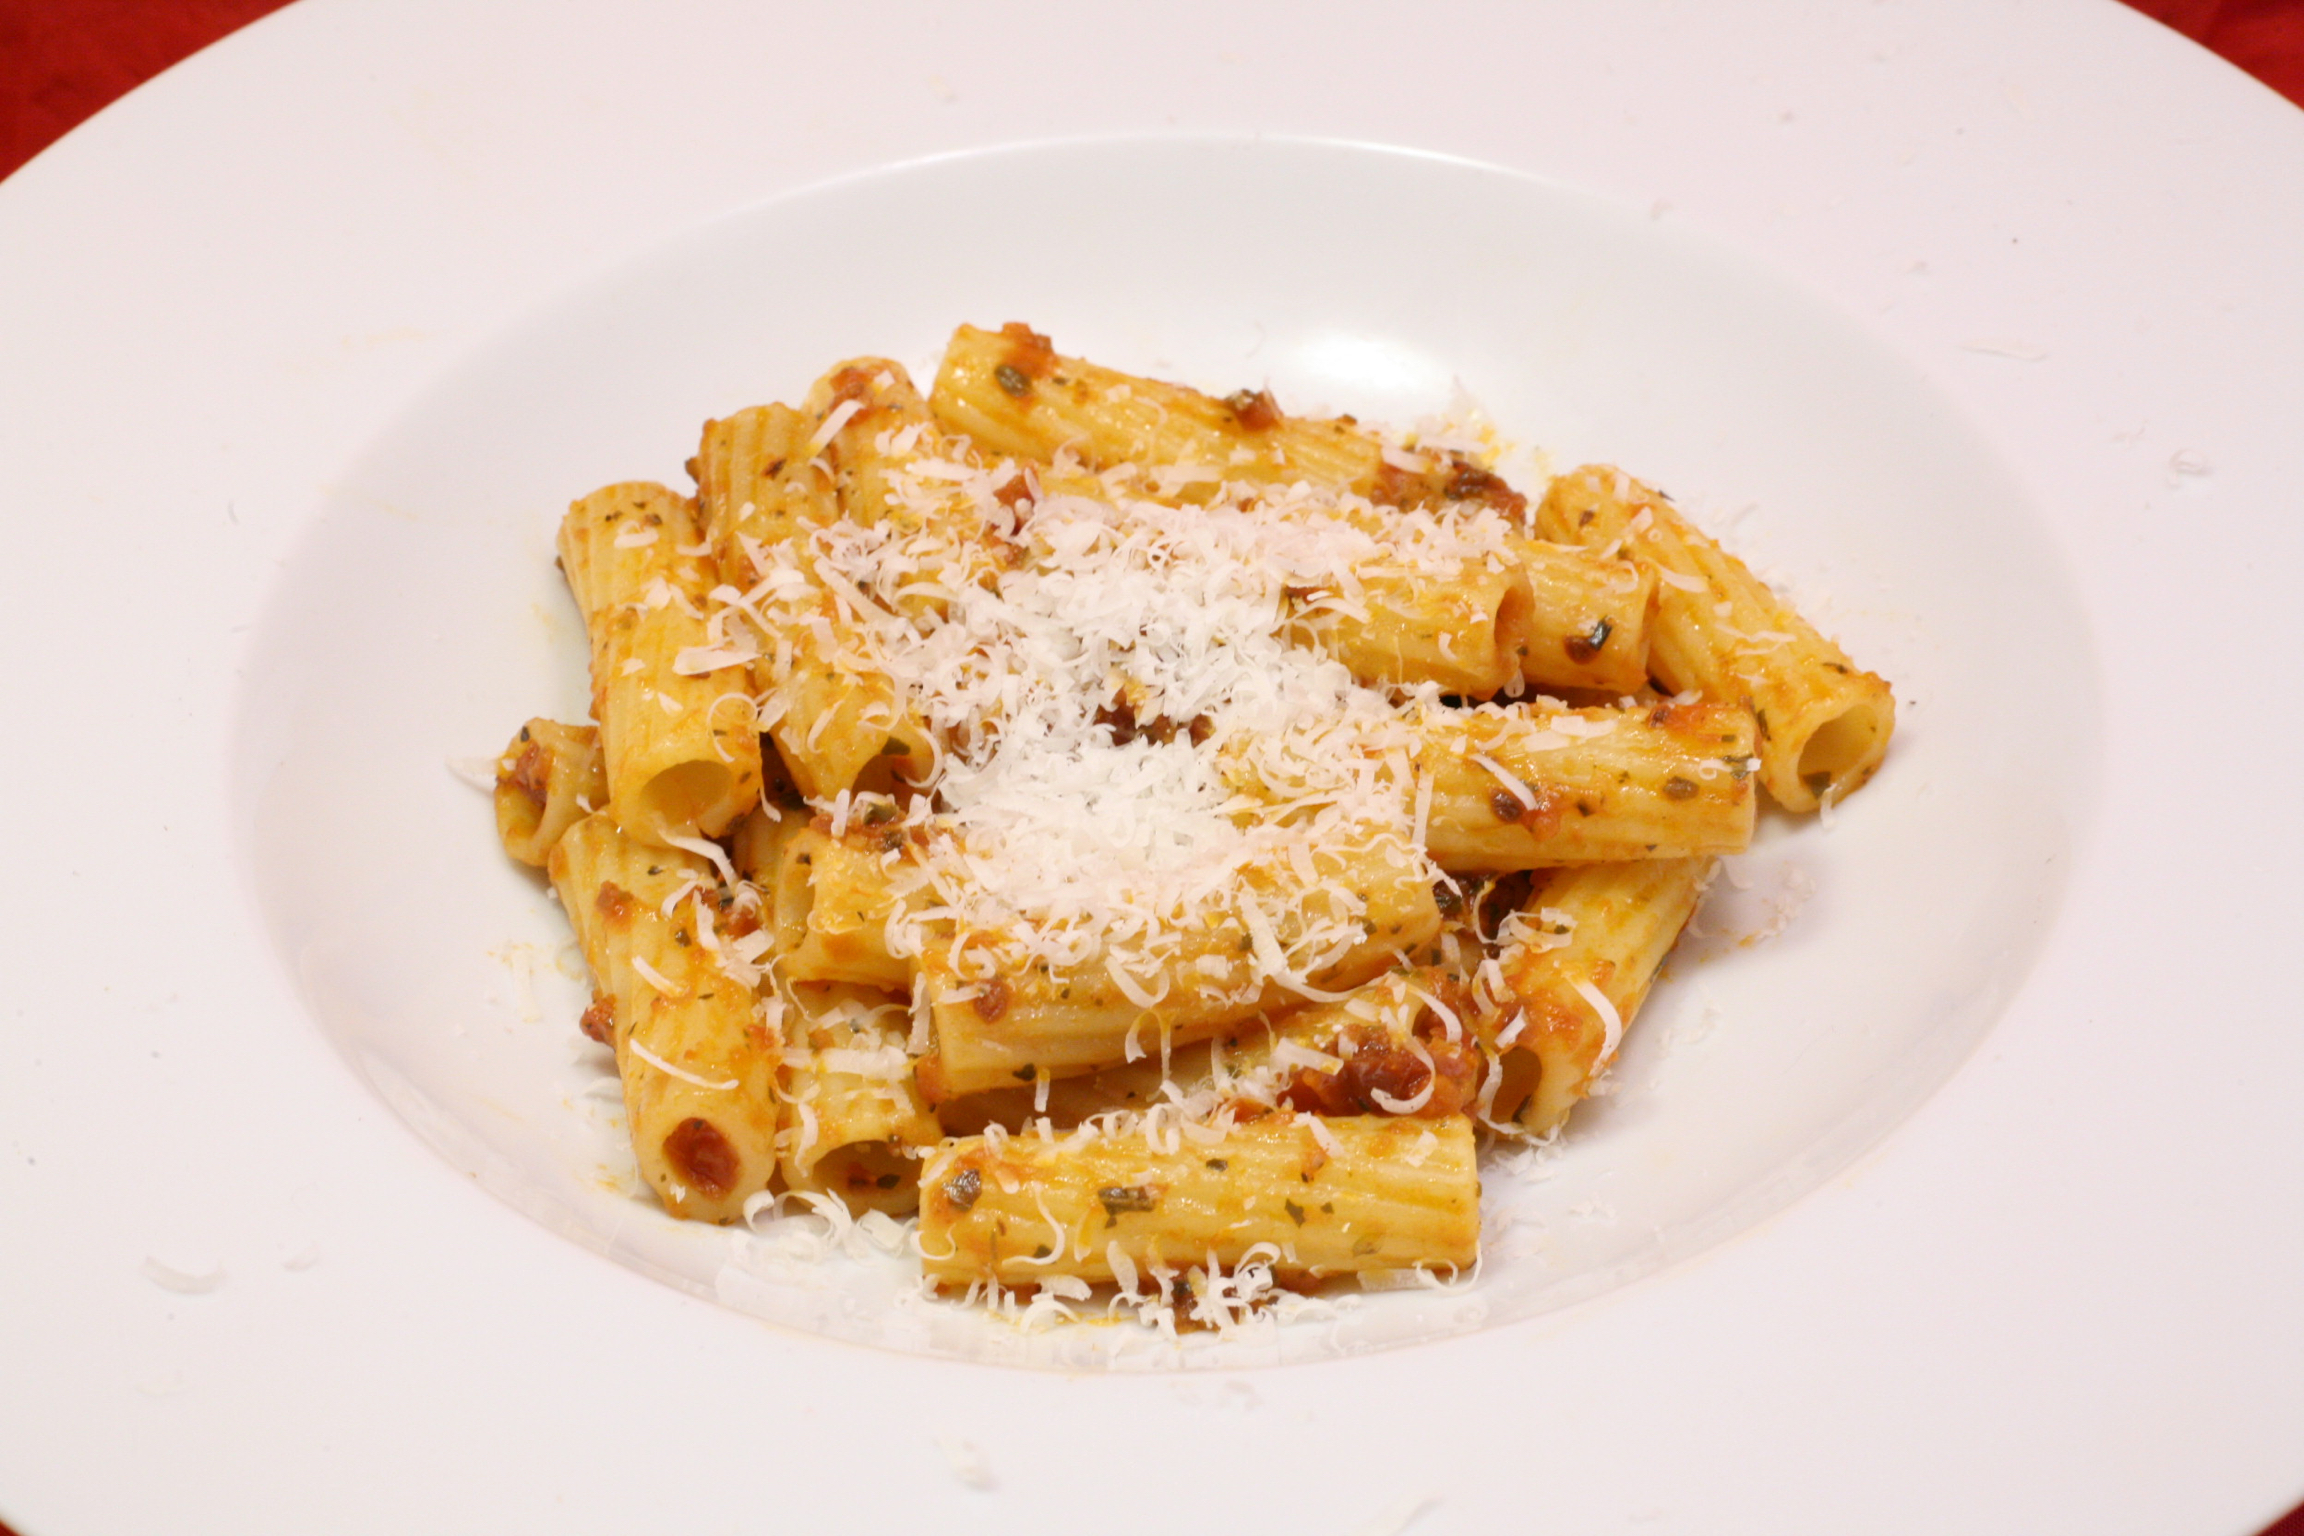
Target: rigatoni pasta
677,734
1329,1197
1579,959
1120,823
1565,618
548,779
855,1122
694,1045
1345,915
1823,725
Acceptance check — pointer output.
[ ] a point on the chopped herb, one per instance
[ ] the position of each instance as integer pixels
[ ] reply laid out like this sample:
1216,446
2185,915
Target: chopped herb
1121,1200
1582,649
1011,378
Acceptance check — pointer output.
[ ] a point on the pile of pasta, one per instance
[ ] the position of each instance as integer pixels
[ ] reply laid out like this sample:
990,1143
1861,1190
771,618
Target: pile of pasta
1152,838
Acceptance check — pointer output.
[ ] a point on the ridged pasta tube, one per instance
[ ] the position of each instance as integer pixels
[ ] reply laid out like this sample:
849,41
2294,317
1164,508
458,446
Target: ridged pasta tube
832,901
676,727
855,1120
1532,787
1579,959
696,1055
1322,1197
547,780
837,719
1346,918
1823,725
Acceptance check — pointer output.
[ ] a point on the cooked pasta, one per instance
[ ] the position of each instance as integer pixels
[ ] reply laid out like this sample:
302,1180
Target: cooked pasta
1141,848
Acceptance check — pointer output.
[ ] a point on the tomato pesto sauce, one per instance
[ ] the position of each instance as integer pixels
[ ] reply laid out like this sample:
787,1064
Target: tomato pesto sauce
1184,833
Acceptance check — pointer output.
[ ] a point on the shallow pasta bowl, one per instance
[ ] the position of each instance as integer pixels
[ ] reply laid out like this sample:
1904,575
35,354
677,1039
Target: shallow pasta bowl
1817,1201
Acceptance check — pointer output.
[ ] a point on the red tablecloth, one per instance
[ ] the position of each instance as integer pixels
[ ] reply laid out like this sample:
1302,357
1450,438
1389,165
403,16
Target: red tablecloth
64,60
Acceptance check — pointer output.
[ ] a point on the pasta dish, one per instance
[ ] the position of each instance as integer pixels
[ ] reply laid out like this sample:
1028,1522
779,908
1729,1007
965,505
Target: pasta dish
1149,838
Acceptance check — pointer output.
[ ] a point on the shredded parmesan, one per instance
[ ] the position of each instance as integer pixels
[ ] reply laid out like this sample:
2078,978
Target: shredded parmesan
1611,1022
658,979
682,1073
836,419
1148,772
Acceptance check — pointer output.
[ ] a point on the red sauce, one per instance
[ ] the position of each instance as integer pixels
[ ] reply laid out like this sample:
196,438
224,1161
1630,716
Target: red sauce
1029,353
530,773
851,384
1457,479
1255,410
702,1155
1469,482
1395,487
1018,489
1383,1063
1121,717
1543,818
1582,649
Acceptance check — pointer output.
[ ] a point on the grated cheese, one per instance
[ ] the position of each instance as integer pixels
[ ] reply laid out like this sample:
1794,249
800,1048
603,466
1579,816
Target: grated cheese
1611,1022
658,979
682,1073
1141,760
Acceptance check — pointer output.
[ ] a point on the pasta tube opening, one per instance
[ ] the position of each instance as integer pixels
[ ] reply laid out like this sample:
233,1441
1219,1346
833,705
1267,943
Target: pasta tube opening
871,1175
685,797
1845,749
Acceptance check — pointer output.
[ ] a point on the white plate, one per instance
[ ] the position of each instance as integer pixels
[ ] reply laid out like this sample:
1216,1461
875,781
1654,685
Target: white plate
421,617
2003,364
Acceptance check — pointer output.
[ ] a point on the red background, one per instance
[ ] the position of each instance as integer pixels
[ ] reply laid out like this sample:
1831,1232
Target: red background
63,60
